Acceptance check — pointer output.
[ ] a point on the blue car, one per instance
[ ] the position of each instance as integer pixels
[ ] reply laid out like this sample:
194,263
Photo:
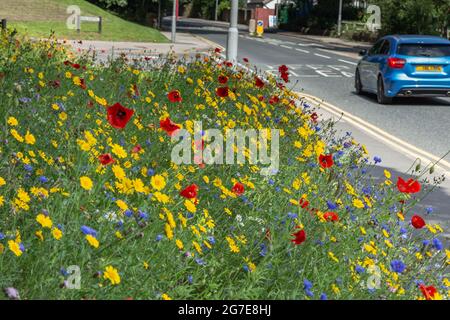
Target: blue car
404,66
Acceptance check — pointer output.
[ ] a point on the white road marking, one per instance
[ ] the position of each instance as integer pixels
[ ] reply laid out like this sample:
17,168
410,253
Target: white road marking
321,55
301,50
349,62
287,47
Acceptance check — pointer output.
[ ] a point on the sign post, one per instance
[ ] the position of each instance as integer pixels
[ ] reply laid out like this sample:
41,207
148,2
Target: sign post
259,28
252,27
99,20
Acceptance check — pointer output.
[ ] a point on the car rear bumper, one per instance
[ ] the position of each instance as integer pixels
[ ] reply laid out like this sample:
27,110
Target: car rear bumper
424,92
417,87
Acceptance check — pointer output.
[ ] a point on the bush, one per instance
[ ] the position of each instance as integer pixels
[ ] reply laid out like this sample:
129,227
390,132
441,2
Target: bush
78,191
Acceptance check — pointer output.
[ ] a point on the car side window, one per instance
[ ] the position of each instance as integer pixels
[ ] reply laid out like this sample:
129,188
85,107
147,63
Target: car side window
376,48
385,48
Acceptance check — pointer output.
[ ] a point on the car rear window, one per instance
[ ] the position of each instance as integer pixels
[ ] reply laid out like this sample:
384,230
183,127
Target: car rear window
424,50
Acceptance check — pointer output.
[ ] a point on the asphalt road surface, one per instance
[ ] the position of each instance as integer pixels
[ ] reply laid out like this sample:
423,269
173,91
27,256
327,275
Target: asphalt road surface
328,73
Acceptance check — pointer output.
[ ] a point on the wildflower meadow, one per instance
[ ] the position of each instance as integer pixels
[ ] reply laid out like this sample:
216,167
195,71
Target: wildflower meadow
92,205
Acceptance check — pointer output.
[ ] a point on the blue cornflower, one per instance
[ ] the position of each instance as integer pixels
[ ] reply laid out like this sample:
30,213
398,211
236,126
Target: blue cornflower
43,179
437,244
359,269
377,159
150,172
263,251
271,182
200,261
331,205
211,239
307,285
28,167
429,210
292,215
2,236
426,242
398,266
64,272
323,296
143,215
88,231
190,279
159,237
128,213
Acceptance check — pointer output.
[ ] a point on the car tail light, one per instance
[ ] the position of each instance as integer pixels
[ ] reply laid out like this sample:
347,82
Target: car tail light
396,63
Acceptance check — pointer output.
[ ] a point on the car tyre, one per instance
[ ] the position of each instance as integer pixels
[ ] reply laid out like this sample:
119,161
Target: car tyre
358,84
381,97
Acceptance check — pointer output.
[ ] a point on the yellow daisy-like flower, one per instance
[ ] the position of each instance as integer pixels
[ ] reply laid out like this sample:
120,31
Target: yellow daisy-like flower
12,121
119,151
358,204
112,275
44,221
14,246
165,297
57,233
92,241
2,182
86,183
190,206
158,182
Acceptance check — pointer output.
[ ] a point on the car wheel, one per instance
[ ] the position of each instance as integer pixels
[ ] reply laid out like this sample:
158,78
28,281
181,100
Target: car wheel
358,84
381,97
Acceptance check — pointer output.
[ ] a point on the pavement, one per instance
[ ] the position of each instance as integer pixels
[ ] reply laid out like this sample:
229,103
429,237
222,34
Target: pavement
186,43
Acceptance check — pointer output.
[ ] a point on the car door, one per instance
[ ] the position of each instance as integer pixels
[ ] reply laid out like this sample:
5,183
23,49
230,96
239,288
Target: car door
369,66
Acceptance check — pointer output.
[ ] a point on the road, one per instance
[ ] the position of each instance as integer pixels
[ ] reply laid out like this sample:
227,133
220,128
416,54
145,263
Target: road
327,72
321,70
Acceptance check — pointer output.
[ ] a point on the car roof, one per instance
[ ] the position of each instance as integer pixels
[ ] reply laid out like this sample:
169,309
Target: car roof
418,39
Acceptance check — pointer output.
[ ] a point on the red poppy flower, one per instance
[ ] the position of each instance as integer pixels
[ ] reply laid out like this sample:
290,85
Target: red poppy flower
53,83
136,148
223,79
222,92
417,221
283,68
303,203
428,291
258,82
118,116
285,77
331,216
229,64
217,50
410,186
300,237
326,161
67,62
82,84
75,66
168,126
238,188
174,96
314,117
190,192
274,100
105,159
245,60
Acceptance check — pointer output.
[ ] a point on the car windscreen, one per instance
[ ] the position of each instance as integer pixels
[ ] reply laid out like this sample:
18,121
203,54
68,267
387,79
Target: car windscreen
424,50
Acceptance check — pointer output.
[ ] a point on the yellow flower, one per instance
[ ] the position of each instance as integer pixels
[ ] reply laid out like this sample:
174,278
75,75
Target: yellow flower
2,201
112,275
92,241
44,221
57,233
12,121
165,297
119,151
387,174
122,205
63,116
190,206
39,235
358,204
14,246
158,182
146,265
2,182
86,183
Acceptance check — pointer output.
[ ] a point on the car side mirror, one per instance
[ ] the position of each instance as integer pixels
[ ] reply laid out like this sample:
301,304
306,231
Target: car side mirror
363,52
